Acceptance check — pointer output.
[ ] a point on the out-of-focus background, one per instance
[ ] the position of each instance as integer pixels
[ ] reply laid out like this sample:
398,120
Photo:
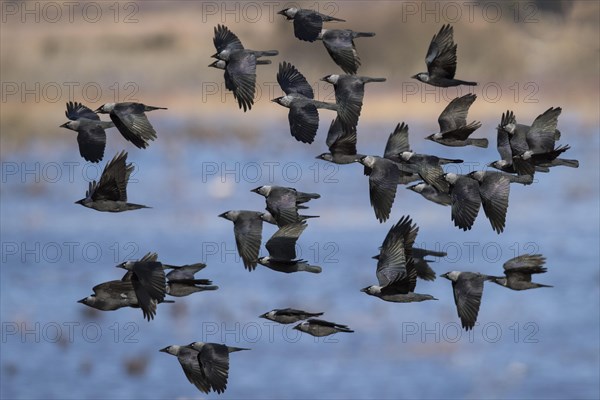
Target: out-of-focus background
526,56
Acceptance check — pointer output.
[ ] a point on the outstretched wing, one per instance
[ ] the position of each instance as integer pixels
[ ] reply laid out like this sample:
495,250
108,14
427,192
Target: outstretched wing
441,55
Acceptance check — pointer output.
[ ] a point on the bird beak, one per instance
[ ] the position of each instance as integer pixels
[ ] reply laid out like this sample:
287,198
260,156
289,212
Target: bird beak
414,76
430,137
122,265
364,290
216,55
324,79
411,187
166,349
282,12
297,327
223,215
444,275
79,202
82,300
255,190
375,257
263,315
63,125
275,100
99,109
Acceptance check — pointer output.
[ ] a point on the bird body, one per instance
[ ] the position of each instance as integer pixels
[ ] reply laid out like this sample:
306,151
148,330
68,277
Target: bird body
91,136
518,272
454,130
130,119
468,289
288,315
319,328
307,23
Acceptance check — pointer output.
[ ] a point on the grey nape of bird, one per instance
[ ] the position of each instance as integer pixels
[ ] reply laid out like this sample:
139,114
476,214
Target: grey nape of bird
431,193
307,23
283,203
396,272
91,136
206,365
518,272
340,46
349,93
468,289
227,43
466,200
109,194
149,283
494,190
288,315
282,251
303,116
247,230
130,119
384,177
454,130
341,143
441,61
319,327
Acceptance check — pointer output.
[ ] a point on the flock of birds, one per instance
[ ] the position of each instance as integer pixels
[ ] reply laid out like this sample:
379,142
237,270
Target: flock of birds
524,150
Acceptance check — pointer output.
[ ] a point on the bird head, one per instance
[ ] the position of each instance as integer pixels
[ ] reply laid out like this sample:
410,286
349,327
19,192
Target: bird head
406,155
299,326
87,300
450,177
72,125
417,188
263,260
289,13
477,175
325,157
367,161
173,350
262,190
225,215
452,275
196,345
282,101
267,315
333,79
422,77
219,64
371,290
105,108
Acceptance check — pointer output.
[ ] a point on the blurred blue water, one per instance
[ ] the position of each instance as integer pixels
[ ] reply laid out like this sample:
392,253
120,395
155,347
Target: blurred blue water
540,343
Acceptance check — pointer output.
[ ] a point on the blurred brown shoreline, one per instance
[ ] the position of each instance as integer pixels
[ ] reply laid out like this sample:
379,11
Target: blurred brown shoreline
162,60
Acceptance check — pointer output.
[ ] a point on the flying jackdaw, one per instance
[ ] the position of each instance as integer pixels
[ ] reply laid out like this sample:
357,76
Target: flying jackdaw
282,251
303,116
349,93
247,229
110,193
341,143
396,272
429,168
518,272
468,289
307,23
149,283
454,130
288,315
130,119
227,43
283,202
206,365
441,61
340,46
91,136
320,328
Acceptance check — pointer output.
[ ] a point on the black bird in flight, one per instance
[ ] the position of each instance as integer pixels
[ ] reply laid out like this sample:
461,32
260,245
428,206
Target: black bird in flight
288,315
91,136
349,93
307,23
130,119
396,272
518,272
110,193
441,61
247,229
282,251
340,46
299,98
320,328
468,289
227,43
454,130
206,365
